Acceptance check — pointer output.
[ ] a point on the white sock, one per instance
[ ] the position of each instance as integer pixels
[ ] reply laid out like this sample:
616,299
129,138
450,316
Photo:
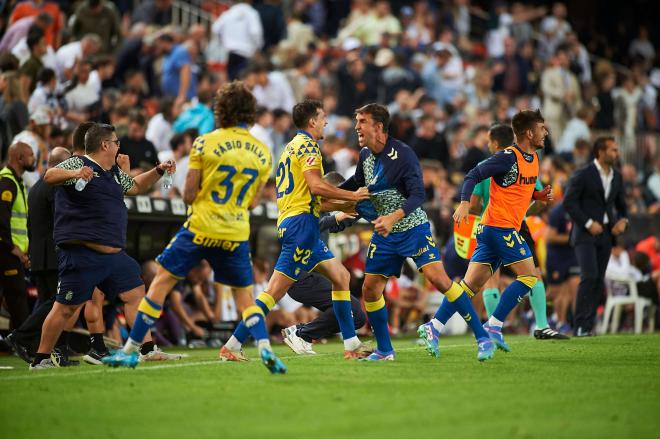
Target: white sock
131,346
264,344
233,344
352,343
437,324
492,321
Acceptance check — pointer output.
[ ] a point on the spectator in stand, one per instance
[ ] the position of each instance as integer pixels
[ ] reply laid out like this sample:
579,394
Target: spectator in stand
98,17
653,183
70,54
561,93
153,12
626,106
44,93
554,29
81,94
262,127
299,75
428,143
443,74
34,8
642,46
179,73
133,50
577,128
281,132
271,14
477,150
579,58
19,30
13,110
511,71
241,33
270,87
30,69
35,135
141,152
605,115
198,116
357,83
159,129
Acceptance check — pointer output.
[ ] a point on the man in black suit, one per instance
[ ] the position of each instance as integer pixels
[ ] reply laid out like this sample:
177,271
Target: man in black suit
595,202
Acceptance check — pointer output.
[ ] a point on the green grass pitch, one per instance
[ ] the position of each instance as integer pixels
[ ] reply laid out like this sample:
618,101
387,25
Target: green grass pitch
598,387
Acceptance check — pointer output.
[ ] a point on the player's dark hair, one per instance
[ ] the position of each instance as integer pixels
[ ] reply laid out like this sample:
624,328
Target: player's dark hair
138,118
378,113
526,120
234,104
502,134
601,145
304,111
96,135
45,75
79,137
334,178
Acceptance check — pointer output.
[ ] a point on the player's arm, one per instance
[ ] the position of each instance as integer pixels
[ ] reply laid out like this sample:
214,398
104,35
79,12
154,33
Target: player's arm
537,206
320,188
497,164
68,172
142,183
337,222
572,201
477,199
194,175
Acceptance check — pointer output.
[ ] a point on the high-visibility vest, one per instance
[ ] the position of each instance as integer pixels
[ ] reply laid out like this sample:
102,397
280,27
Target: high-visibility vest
19,212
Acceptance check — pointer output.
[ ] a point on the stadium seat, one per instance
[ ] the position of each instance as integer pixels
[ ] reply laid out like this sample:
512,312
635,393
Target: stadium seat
615,304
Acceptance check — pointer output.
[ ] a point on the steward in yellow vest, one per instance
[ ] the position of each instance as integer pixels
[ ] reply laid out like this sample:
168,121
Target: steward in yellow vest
14,231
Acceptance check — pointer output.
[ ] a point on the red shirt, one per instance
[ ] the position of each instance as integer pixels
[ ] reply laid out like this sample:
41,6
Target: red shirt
30,9
649,246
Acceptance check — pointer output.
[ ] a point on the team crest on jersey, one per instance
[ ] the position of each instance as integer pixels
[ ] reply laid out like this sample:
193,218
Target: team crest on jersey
522,251
7,196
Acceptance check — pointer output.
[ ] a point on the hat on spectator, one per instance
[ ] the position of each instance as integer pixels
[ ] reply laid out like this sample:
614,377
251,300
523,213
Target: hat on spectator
41,116
351,43
384,57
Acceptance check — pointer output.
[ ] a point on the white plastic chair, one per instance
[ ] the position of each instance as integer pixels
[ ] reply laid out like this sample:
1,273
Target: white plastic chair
615,304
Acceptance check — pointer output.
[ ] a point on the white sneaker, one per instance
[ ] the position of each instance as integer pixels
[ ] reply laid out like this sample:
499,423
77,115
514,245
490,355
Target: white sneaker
297,344
44,364
157,355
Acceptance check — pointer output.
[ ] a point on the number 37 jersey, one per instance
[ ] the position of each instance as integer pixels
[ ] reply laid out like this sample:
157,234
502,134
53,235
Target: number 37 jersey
293,195
233,165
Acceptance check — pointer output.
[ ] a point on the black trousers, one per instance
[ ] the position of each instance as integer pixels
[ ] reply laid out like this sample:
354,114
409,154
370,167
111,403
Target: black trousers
315,290
13,287
29,333
593,259
235,64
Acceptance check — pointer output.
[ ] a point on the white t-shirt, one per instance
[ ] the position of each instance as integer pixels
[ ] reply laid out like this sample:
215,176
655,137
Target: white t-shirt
159,132
276,94
66,56
239,30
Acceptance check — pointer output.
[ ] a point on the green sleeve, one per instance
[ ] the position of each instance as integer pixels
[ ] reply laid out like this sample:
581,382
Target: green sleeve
479,188
539,185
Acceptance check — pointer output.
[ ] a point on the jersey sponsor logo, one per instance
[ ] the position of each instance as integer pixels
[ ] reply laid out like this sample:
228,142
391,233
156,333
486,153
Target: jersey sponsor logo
215,243
7,196
527,180
393,154
421,251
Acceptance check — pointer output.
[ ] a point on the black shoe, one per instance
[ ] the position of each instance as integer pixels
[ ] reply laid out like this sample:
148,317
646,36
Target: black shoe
95,357
62,360
21,350
549,334
579,332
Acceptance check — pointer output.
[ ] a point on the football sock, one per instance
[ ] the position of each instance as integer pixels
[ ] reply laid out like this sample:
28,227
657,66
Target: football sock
513,295
444,313
264,301
438,325
255,321
63,340
38,357
233,344
377,313
491,299
97,343
537,300
148,312
341,304
460,295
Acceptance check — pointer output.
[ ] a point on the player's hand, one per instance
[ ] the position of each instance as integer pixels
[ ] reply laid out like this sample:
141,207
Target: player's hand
361,194
124,162
342,216
383,225
545,195
85,173
619,227
596,228
24,258
462,213
168,166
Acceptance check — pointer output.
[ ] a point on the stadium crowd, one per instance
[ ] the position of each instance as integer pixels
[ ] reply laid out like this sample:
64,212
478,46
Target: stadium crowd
447,71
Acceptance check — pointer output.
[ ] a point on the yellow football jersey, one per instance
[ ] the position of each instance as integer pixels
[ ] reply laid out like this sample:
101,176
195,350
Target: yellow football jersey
293,195
233,164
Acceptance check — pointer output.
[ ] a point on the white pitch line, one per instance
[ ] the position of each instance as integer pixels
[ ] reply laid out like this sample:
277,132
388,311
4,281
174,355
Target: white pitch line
172,365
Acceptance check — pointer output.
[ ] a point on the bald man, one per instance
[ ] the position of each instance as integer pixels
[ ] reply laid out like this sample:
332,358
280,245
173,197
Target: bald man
14,241
25,339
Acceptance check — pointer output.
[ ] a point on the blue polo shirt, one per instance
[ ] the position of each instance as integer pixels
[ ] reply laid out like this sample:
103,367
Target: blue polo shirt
171,72
97,213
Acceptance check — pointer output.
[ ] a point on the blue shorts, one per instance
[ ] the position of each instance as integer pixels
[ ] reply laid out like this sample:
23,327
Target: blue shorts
499,246
385,256
302,248
455,266
80,270
230,260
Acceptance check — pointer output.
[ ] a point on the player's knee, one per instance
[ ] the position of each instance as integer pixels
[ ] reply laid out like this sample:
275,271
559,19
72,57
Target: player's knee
343,279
